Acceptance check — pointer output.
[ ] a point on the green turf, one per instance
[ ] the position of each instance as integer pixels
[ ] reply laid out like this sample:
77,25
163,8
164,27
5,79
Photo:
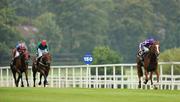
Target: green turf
86,95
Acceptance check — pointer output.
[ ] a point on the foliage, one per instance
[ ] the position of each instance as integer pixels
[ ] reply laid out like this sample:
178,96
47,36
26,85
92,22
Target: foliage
9,35
73,27
104,55
171,55
49,31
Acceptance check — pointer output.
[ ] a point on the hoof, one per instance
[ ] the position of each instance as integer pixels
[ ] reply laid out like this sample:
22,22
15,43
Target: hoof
47,83
155,88
39,83
145,82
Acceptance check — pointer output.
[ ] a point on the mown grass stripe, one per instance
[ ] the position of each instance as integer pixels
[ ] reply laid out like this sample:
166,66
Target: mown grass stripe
86,95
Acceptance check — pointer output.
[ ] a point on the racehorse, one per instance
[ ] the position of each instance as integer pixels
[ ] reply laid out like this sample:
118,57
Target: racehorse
149,63
42,67
20,65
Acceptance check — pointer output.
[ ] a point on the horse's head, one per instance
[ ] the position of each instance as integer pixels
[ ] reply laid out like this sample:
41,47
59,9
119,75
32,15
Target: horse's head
154,48
46,58
25,56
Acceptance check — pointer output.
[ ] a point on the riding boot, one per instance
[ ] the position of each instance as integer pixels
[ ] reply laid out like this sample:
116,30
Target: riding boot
11,63
140,54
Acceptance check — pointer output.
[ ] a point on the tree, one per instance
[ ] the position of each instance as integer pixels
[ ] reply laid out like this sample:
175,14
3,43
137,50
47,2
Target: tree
30,9
84,23
170,55
50,31
8,33
105,55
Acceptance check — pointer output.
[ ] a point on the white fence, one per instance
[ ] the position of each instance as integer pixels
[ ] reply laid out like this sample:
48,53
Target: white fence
98,76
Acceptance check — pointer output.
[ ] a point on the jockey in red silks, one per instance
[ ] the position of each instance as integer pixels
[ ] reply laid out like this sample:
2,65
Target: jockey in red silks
144,47
20,48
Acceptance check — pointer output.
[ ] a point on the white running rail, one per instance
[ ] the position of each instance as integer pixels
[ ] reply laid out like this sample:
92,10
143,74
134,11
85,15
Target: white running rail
97,76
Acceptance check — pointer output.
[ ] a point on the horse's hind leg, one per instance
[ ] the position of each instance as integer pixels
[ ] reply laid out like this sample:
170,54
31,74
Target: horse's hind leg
15,81
14,73
140,74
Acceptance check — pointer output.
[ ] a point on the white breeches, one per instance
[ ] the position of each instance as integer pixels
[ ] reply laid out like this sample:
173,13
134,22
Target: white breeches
143,48
40,52
17,54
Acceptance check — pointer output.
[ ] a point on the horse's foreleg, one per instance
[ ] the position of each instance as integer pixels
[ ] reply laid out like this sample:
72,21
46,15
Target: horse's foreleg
22,84
47,72
146,77
45,80
19,76
26,74
151,78
40,78
157,74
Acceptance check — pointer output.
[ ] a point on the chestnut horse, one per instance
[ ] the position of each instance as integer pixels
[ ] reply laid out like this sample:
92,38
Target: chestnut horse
20,65
150,64
42,67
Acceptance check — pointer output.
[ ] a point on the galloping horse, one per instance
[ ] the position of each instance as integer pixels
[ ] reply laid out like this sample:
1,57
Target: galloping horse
150,64
42,67
20,65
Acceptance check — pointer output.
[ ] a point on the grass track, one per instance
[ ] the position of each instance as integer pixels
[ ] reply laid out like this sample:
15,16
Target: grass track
86,95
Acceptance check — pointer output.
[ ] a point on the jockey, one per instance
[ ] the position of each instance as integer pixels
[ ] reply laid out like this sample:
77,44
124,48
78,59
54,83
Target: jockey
42,48
20,47
144,46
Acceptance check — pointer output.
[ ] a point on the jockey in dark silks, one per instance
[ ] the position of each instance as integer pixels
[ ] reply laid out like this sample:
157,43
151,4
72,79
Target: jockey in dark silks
41,48
144,47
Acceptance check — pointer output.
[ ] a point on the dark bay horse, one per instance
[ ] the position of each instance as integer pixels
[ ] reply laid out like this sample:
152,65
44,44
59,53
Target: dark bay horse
42,67
150,64
20,65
